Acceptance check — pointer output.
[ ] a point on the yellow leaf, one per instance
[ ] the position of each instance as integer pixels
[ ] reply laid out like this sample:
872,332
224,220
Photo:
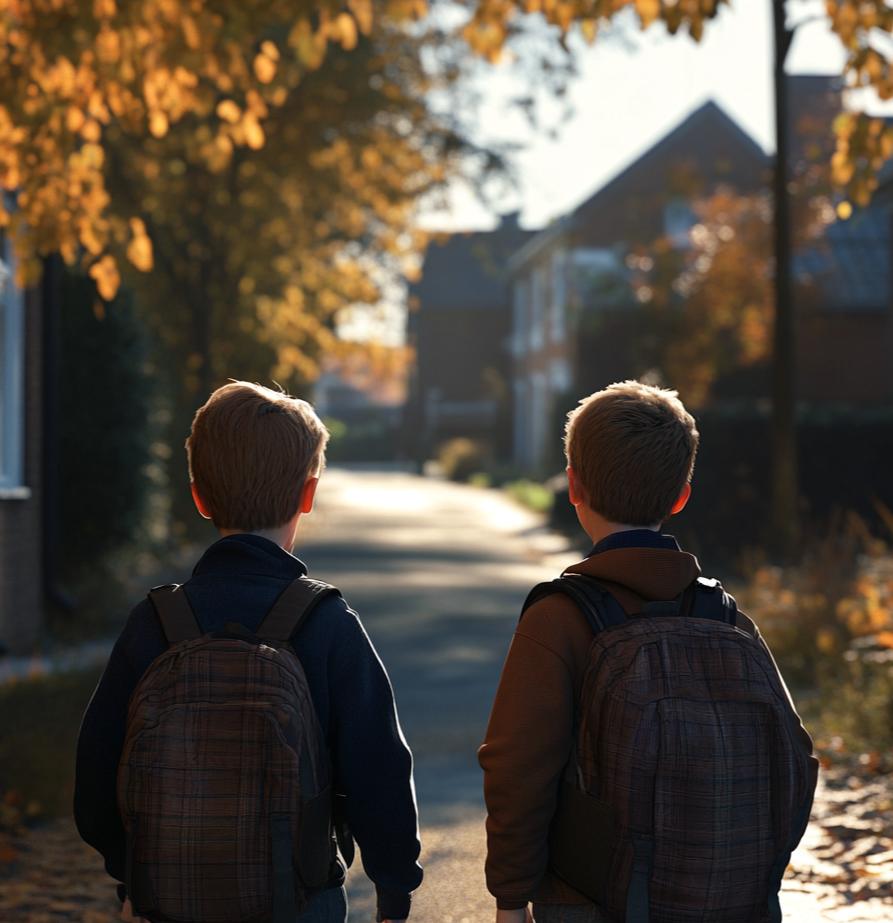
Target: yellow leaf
844,210
90,131
589,28
229,111
270,50
74,118
347,31
254,134
648,11
158,124
885,638
190,32
139,250
104,9
107,278
362,11
264,68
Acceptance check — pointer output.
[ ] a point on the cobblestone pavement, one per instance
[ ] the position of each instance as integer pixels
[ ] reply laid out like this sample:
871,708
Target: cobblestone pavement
438,572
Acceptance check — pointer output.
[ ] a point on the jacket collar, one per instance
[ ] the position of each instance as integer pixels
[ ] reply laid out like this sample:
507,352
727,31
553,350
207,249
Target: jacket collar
249,554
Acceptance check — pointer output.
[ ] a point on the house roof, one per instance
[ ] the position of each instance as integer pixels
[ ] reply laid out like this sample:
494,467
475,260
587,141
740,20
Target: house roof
849,266
658,155
468,270
649,174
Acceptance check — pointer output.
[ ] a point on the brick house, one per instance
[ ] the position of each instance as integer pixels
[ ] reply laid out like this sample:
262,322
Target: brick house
459,324
21,460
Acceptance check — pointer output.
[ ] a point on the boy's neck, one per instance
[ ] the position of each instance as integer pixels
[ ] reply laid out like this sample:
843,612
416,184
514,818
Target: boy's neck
598,528
283,536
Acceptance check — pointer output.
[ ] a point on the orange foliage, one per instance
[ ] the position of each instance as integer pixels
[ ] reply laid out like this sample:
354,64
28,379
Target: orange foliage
715,298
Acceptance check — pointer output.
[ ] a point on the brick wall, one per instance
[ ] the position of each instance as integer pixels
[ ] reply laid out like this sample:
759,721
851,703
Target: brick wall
21,590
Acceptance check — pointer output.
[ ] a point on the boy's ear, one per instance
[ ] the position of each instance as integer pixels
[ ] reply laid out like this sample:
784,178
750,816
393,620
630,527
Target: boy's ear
683,499
308,492
574,488
200,506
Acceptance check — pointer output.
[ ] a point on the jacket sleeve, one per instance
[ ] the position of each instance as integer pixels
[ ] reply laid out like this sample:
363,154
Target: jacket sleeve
101,738
373,767
528,742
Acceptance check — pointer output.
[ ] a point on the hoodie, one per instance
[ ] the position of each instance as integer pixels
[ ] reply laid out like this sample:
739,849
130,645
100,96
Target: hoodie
530,733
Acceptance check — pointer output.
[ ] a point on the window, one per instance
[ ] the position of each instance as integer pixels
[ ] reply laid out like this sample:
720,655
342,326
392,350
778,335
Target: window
519,305
12,359
559,296
537,308
559,376
679,219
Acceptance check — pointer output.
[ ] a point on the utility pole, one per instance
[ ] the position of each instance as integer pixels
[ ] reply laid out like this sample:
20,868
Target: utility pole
785,529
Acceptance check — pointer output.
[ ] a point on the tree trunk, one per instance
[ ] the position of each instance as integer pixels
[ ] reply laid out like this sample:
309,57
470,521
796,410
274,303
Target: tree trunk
785,531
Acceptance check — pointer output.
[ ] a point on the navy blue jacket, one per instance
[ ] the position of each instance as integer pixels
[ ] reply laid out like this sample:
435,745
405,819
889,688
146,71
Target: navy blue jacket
237,580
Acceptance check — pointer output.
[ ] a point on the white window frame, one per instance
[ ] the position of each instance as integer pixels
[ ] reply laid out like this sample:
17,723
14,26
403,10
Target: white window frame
519,313
538,282
559,296
12,379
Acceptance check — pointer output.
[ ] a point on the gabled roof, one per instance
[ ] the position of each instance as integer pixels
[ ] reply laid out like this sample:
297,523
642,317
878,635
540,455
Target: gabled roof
648,174
657,156
849,266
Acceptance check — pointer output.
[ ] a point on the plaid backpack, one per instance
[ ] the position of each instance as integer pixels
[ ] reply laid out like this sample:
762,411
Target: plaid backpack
688,789
223,783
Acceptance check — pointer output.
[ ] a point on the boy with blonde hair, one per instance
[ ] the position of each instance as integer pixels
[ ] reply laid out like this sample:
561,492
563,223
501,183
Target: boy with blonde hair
643,762
255,458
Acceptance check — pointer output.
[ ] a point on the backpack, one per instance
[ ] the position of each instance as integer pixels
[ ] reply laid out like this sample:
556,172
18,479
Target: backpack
224,781
688,789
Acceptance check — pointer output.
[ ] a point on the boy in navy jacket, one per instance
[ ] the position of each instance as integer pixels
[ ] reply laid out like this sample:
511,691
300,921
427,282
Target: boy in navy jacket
255,457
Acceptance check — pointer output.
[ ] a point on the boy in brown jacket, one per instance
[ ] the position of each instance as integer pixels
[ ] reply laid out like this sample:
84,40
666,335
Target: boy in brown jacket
630,451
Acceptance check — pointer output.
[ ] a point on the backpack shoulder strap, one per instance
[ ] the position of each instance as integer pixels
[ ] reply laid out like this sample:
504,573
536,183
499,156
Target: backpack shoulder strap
711,601
292,607
600,608
175,614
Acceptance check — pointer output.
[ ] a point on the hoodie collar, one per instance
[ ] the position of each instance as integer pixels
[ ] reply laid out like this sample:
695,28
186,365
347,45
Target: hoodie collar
637,575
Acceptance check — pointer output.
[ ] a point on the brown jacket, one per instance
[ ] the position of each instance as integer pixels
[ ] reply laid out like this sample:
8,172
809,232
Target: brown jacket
530,734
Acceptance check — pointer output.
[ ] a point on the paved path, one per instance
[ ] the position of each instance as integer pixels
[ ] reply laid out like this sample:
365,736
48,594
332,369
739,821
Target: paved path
438,573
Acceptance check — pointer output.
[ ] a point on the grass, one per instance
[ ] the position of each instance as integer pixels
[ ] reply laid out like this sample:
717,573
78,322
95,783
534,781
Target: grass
531,494
38,736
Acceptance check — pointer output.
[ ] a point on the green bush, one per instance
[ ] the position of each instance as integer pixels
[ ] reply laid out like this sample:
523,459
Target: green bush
460,459
531,494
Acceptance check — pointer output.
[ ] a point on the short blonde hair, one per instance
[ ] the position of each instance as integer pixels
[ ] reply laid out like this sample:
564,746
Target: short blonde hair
633,449
250,452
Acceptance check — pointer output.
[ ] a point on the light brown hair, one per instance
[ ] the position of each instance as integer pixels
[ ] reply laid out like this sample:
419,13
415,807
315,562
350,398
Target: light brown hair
632,447
250,451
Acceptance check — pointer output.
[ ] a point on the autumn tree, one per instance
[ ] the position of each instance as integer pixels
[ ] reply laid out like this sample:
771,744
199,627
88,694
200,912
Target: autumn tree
713,300
263,155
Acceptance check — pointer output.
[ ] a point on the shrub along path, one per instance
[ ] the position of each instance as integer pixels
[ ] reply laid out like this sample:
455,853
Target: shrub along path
438,572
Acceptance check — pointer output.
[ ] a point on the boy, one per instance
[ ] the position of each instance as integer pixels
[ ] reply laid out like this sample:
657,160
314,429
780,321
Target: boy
630,451
255,457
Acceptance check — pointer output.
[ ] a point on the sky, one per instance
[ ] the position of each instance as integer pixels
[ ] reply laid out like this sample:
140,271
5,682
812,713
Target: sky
626,99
